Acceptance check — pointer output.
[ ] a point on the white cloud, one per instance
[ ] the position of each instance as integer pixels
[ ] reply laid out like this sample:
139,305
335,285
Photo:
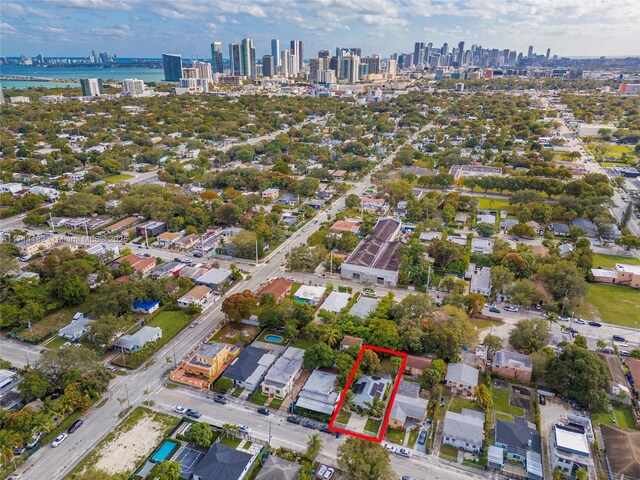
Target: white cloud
7,28
168,13
93,4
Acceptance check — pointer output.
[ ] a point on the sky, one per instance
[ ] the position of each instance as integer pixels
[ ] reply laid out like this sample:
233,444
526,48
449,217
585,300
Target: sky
147,28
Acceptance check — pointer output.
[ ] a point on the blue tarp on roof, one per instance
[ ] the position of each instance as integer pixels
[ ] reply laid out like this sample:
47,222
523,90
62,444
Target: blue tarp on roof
145,304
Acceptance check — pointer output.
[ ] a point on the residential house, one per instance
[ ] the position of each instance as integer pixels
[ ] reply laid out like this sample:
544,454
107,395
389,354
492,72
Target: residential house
376,206
276,468
6,377
152,228
310,294
588,228
133,343
168,239
146,307
426,237
34,245
210,360
622,451
79,326
167,269
104,251
122,224
222,463
461,219
28,276
618,388
481,281
512,365
364,306
570,449
508,223
142,265
520,442
376,259
283,373
462,379
408,408
287,199
486,218
192,273
539,229
198,295
464,430
481,245
565,249
279,288
270,194
336,301
187,242
416,366
349,341
559,229
249,368
344,226
318,393
368,387
215,277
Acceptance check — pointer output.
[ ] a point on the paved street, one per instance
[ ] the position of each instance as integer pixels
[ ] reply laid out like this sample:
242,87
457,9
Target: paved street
18,353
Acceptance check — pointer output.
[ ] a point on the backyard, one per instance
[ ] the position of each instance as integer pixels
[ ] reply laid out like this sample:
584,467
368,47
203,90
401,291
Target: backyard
501,403
117,178
269,336
171,322
457,404
487,203
609,261
236,333
615,304
623,418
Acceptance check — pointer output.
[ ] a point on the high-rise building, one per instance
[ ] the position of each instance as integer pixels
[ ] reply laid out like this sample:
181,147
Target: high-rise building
314,68
293,65
460,58
275,52
189,73
91,87
203,70
268,66
392,67
373,64
235,60
445,49
248,58
350,68
172,64
418,53
530,51
326,76
216,57
133,87
324,54
284,63
548,53
297,49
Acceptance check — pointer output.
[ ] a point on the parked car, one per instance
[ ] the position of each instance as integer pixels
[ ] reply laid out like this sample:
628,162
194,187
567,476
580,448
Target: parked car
309,424
422,438
180,409
390,448
76,425
595,324
494,310
263,411
404,452
221,399
244,428
325,429
406,477
321,471
194,413
291,279
619,338
59,439
111,368
19,450
511,308
542,399
624,353
580,321
293,419
328,474
35,438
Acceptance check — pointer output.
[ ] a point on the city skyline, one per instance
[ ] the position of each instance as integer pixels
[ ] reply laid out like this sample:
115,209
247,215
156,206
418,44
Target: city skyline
135,28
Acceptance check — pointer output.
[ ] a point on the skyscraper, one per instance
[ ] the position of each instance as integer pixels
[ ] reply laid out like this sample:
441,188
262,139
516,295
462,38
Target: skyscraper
548,53
284,63
350,68
91,87
445,49
418,53
248,58
373,63
133,87
172,64
275,52
234,59
324,54
203,70
460,58
530,51
297,49
268,66
216,57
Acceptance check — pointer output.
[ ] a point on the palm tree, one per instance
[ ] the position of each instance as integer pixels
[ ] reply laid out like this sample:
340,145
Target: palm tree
104,273
331,336
8,440
347,403
376,407
483,396
314,446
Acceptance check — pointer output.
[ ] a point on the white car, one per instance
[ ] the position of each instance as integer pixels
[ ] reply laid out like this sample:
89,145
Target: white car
321,471
180,409
244,428
580,321
511,308
291,279
328,474
404,452
390,448
59,439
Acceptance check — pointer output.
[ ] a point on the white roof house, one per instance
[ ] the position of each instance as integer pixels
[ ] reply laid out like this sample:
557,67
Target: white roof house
364,306
318,393
214,277
310,294
462,374
132,343
335,302
77,327
283,373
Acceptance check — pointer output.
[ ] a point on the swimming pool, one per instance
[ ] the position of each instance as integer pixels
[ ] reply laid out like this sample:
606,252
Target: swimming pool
165,450
273,338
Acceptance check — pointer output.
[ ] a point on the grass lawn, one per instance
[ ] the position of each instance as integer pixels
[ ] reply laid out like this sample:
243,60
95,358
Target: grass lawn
56,343
609,261
343,417
232,333
494,204
372,425
258,398
615,151
449,453
276,402
294,288
237,392
263,335
117,178
615,304
54,321
457,404
302,342
623,418
231,442
504,417
501,403
171,322
483,324
413,436
395,436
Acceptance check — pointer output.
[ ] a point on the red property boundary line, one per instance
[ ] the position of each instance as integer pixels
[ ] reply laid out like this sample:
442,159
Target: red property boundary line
385,422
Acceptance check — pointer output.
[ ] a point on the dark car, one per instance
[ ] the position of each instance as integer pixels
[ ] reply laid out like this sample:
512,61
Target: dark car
193,413
619,338
494,310
263,411
422,438
221,399
571,330
325,429
595,324
309,424
542,399
294,419
76,425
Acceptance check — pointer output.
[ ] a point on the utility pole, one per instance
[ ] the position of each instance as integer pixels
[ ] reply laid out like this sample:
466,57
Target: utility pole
126,389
